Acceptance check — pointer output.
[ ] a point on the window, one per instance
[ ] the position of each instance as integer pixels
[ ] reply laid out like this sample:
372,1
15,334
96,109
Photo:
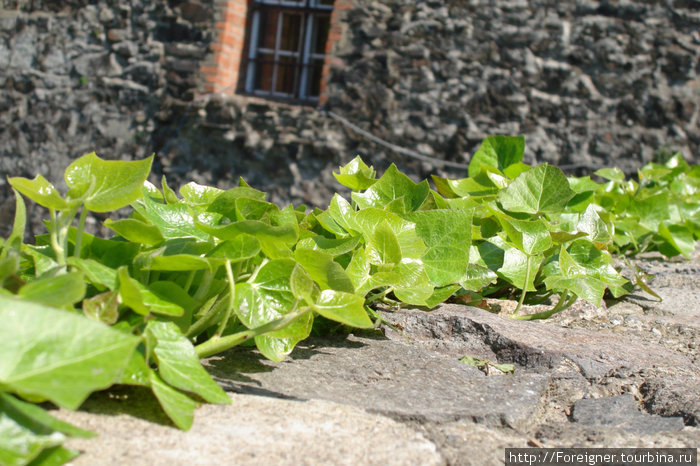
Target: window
287,46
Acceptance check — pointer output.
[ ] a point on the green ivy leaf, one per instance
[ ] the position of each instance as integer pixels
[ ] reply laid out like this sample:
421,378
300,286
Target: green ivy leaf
102,307
268,296
591,224
302,285
178,406
383,245
240,248
679,238
106,185
393,185
179,365
367,220
59,291
172,220
514,267
531,237
498,152
345,308
324,270
585,287
198,195
136,231
332,246
96,273
28,435
57,355
142,300
612,174
541,189
477,277
168,193
40,191
356,175
178,263
447,236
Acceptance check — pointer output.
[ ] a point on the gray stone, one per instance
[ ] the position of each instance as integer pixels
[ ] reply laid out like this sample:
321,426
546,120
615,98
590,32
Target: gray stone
23,49
673,396
621,412
381,376
4,55
253,430
532,344
126,49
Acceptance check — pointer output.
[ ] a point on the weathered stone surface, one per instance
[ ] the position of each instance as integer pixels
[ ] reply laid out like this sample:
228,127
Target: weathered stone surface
673,396
532,344
253,430
418,403
621,412
382,376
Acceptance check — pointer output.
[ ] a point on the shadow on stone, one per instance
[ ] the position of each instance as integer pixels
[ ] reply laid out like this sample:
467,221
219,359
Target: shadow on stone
138,402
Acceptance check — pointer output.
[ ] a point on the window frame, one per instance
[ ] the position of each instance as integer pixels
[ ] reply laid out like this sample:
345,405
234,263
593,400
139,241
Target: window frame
304,56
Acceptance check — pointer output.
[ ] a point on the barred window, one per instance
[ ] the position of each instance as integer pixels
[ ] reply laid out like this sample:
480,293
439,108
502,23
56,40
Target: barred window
287,46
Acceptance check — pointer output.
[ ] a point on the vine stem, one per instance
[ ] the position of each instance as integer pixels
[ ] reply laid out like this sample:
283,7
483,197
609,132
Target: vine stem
231,300
213,308
218,344
565,301
527,279
79,235
55,243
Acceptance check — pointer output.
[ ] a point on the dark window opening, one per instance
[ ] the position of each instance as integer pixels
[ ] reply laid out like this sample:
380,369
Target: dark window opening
287,48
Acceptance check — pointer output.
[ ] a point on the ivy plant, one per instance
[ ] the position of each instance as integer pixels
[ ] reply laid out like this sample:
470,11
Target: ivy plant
197,271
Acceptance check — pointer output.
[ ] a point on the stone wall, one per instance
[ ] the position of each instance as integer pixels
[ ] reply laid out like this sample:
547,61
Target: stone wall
589,83
80,76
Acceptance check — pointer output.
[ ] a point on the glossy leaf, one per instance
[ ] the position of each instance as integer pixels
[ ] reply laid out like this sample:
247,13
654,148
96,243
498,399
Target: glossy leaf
96,273
199,195
268,296
324,270
178,406
136,231
302,285
356,175
240,248
173,220
346,308
383,246
541,189
447,236
497,151
57,355
59,291
39,190
142,300
106,185
393,185
531,237
179,365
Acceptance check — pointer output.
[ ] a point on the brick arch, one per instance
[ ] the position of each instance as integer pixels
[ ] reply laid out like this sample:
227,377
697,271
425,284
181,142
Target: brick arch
223,70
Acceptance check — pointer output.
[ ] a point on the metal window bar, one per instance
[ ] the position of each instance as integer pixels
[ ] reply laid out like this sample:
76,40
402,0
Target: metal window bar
304,55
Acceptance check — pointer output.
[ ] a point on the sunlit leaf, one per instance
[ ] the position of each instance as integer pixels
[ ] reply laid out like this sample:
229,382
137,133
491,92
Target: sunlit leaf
58,355
179,365
541,189
107,185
